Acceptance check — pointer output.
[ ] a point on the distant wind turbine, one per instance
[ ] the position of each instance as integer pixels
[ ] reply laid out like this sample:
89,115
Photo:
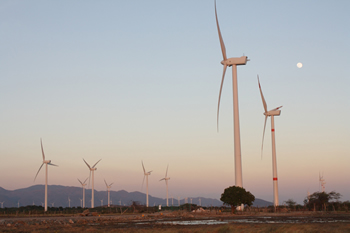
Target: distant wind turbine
53,204
83,184
2,204
146,174
271,113
108,190
81,202
322,182
92,169
101,202
46,162
166,182
234,62
68,202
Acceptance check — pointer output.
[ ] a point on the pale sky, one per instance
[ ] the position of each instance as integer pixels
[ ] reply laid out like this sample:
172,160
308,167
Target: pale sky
125,81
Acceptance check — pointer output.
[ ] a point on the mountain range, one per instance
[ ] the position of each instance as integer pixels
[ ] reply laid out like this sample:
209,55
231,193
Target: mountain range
58,195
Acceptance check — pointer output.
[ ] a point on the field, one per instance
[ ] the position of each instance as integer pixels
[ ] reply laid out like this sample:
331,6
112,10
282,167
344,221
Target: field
182,222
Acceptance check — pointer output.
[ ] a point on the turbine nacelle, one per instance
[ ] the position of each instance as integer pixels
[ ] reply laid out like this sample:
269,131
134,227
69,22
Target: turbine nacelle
235,61
47,161
273,113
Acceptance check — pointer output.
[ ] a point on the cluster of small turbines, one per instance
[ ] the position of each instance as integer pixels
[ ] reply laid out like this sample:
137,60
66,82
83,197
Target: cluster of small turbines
92,170
234,62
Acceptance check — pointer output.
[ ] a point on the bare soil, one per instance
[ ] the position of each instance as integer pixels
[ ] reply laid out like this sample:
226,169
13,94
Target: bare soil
172,222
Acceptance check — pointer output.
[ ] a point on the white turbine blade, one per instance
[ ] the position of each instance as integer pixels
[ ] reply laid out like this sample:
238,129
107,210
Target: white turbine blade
53,164
143,181
149,172
38,171
262,143
96,163
85,180
222,82
89,178
262,96
166,174
42,149
87,164
144,171
80,182
111,184
106,183
222,44
162,179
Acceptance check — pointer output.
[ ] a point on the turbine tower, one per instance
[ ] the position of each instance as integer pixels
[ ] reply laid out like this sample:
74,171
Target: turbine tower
83,184
92,169
2,204
46,162
68,202
272,113
108,190
166,182
146,174
234,62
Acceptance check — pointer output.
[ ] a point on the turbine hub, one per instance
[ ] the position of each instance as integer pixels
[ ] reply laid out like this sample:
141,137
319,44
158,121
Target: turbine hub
235,61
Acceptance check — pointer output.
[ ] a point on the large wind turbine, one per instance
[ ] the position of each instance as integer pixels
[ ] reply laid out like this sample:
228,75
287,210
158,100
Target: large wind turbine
234,62
46,162
83,184
92,169
271,113
146,174
108,190
166,182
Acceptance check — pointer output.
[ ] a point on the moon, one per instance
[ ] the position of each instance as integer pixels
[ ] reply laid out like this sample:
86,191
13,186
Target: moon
299,65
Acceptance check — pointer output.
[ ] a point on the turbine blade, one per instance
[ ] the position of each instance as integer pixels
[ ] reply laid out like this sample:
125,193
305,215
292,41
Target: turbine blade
150,172
222,44
262,143
96,163
144,171
87,164
38,171
143,181
166,171
111,184
42,149
53,164
162,179
222,82
80,182
85,180
89,178
106,183
262,96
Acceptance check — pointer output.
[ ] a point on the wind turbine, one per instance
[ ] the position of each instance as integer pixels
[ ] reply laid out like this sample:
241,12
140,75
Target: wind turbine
46,162
2,204
68,202
146,174
83,184
322,182
234,62
53,204
108,190
92,169
81,202
101,202
272,113
166,182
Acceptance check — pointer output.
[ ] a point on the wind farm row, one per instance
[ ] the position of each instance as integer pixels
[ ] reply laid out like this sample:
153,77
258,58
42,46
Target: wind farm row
92,170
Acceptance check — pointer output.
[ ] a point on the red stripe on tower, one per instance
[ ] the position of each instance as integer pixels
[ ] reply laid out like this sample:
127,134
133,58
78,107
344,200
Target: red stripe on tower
275,178
273,130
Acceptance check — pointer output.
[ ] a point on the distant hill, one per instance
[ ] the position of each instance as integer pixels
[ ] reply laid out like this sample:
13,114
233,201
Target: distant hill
58,195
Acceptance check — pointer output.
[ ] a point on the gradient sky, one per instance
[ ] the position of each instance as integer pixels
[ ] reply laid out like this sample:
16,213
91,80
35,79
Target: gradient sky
127,81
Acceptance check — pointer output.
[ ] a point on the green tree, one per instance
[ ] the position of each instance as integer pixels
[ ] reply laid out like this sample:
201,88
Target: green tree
320,200
290,203
235,196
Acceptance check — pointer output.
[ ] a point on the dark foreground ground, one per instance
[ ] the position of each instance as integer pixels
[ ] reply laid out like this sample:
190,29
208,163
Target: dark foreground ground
182,222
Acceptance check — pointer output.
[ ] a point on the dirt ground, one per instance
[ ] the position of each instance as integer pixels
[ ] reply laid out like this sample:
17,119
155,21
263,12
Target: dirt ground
181,221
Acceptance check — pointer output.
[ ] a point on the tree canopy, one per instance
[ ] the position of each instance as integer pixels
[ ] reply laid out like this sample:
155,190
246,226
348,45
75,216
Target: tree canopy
235,196
320,200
